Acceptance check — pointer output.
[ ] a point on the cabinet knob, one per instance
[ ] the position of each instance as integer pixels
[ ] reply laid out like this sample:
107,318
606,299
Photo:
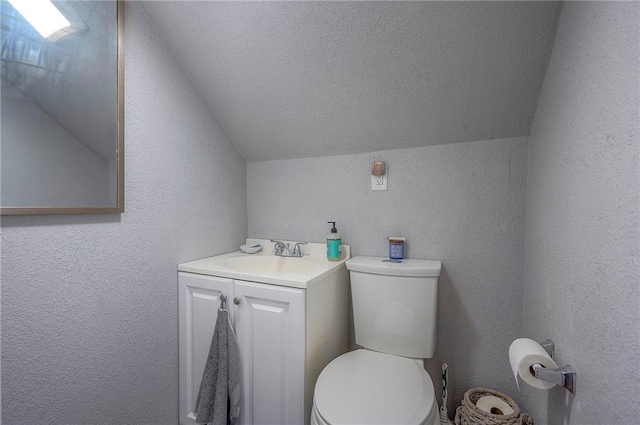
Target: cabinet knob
236,300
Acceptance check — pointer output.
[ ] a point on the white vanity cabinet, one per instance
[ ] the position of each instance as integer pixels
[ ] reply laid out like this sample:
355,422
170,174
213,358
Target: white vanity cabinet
286,336
270,327
198,303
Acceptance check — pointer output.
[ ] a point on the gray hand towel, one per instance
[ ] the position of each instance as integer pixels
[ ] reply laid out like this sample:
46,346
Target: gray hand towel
218,399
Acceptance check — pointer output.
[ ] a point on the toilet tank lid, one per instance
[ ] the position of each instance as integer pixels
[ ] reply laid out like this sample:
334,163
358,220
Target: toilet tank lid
384,266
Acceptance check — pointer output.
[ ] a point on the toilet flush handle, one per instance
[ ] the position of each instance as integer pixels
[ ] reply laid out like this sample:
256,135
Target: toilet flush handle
236,300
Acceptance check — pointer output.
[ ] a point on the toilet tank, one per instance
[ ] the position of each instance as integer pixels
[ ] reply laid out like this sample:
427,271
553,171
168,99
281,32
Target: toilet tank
395,305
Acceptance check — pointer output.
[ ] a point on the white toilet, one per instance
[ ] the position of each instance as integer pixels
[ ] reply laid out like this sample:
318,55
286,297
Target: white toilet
394,312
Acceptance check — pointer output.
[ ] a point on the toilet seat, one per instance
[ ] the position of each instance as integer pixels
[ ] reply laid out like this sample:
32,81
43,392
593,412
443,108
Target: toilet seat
367,387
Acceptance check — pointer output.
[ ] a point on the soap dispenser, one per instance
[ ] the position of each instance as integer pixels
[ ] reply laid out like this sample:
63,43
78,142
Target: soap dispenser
333,244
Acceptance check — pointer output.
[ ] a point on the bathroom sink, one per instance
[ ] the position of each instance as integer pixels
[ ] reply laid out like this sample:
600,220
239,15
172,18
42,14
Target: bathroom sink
267,264
265,267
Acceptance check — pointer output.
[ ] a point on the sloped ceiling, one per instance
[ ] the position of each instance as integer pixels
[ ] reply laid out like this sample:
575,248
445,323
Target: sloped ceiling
302,79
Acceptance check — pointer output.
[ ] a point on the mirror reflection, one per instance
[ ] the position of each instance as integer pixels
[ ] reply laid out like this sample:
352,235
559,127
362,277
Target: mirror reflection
60,137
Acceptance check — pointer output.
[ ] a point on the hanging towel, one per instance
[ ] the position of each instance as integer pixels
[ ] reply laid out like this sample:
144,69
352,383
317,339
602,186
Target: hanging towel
218,401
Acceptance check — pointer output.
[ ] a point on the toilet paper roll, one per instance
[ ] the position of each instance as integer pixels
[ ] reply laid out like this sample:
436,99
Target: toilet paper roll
494,405
523,354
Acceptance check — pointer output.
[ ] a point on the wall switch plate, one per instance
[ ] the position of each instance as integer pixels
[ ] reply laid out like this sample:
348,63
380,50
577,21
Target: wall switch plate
379,182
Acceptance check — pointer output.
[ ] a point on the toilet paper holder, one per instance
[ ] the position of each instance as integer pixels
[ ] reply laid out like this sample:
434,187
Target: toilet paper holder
564,376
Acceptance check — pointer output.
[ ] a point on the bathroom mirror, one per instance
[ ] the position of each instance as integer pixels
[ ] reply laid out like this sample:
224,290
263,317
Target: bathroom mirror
62,98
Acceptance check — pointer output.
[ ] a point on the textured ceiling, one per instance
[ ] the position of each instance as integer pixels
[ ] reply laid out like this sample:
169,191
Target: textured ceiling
302,79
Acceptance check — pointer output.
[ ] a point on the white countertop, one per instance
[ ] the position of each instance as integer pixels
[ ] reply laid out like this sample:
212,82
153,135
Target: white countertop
284,271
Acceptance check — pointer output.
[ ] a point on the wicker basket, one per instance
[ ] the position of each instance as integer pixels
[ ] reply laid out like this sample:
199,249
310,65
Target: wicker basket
468,414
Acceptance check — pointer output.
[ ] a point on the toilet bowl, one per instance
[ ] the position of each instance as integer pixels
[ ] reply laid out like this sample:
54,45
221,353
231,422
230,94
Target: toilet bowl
367,387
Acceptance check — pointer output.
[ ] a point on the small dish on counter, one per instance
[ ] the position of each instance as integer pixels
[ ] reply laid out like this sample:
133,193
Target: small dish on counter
251,249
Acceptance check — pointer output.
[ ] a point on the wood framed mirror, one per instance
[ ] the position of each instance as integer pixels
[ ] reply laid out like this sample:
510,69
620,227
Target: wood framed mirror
62,109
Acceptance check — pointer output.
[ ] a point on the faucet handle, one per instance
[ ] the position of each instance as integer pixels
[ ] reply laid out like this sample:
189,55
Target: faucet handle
279,246
297,250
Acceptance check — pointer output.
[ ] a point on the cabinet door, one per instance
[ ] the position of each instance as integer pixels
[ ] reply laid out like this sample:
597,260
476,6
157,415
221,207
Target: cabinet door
198,300
270,329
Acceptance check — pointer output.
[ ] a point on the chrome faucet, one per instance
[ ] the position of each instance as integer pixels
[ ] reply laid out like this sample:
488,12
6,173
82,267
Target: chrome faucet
284,250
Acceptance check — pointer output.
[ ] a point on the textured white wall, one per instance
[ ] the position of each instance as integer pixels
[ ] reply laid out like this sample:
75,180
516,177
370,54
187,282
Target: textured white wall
89,303
461,203
581,271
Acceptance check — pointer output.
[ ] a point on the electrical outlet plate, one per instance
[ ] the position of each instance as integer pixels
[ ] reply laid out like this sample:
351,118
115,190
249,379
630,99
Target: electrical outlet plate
379,182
